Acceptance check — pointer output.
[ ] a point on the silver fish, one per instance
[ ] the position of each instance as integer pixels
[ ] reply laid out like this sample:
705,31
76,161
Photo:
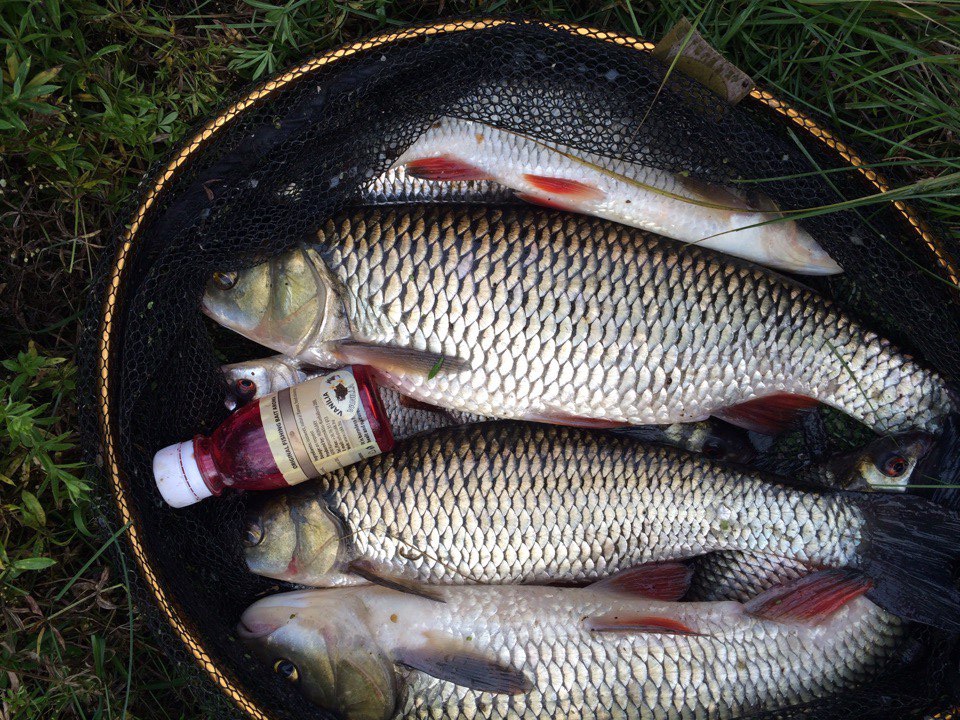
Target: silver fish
505,652
886,464
716,217
517,503
535,315
397,187
253,379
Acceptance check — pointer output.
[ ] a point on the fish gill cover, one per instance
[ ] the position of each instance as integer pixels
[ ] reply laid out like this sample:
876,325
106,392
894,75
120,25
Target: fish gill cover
268,176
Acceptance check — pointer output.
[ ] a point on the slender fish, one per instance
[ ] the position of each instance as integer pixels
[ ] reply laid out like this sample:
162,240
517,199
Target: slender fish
675,206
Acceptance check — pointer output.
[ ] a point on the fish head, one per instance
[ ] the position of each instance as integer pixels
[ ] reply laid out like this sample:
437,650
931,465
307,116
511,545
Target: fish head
887,463
286,303
253,379
721,441
318,641
293,537
245,382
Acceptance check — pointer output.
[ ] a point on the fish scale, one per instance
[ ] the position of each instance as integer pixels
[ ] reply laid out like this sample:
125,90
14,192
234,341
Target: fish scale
502,502
613,324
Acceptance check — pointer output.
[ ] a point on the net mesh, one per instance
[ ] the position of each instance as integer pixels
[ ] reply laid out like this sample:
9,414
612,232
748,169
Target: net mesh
265,178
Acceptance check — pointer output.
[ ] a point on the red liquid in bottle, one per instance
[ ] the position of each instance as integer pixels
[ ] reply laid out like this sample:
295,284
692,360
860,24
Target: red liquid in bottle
327,422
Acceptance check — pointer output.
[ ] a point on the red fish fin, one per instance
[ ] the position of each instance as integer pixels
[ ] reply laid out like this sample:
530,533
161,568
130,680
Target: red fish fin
656,581
399,360
414,404
449,658
572,189
812,598
445,167
768,415
544,202
371,572
636,623
558,417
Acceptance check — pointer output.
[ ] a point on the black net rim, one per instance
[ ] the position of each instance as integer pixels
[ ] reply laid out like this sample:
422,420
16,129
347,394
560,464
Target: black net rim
178,622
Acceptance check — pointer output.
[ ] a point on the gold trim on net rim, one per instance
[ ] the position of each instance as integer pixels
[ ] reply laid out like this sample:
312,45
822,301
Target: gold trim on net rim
172,614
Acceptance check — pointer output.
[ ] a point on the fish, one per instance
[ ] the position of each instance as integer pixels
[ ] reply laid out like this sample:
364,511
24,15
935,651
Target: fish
673,205
505,503
530,314
397,186
253,379
887,464
621,648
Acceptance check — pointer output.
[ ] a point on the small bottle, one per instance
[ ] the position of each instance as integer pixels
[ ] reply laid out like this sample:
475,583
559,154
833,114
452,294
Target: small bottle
281,439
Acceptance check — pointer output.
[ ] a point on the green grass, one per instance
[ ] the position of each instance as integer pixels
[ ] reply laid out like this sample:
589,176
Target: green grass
93,92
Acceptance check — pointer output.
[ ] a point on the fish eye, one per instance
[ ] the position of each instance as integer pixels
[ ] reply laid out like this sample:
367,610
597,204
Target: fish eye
713,450
894,465
246,388
287,670
225,280
253,534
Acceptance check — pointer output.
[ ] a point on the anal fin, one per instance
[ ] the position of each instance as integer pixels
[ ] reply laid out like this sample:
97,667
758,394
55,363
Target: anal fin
770,414
656,581
455,660
370,572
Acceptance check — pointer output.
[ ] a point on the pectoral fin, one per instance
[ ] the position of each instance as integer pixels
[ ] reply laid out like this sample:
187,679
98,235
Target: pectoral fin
455,660
636,623
399,360
371,572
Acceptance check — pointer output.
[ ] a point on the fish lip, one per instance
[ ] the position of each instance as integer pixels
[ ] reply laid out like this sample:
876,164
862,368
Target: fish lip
252,631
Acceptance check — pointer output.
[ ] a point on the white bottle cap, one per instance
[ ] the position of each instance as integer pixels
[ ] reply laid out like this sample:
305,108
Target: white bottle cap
178,476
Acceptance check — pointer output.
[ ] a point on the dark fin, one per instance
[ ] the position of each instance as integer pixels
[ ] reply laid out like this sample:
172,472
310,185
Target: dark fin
445,167
544,202
414,404
556,417
371,573
726,197
941,466
397,359
910,548
562,186
768,415
811,598
656,581
636,623
454,660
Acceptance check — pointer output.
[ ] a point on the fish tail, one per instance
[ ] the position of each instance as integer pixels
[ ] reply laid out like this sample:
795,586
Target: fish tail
911,552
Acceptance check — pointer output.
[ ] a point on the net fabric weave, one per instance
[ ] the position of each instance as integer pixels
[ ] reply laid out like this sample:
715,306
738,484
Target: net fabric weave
266,178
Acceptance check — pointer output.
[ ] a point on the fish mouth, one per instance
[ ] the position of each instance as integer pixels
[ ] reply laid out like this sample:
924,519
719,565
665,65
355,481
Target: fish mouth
249,630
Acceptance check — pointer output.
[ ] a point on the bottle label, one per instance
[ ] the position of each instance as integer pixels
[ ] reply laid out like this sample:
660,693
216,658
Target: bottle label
318,426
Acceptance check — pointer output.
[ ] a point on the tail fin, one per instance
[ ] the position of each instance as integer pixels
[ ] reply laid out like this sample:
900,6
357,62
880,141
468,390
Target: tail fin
941,467
911,549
